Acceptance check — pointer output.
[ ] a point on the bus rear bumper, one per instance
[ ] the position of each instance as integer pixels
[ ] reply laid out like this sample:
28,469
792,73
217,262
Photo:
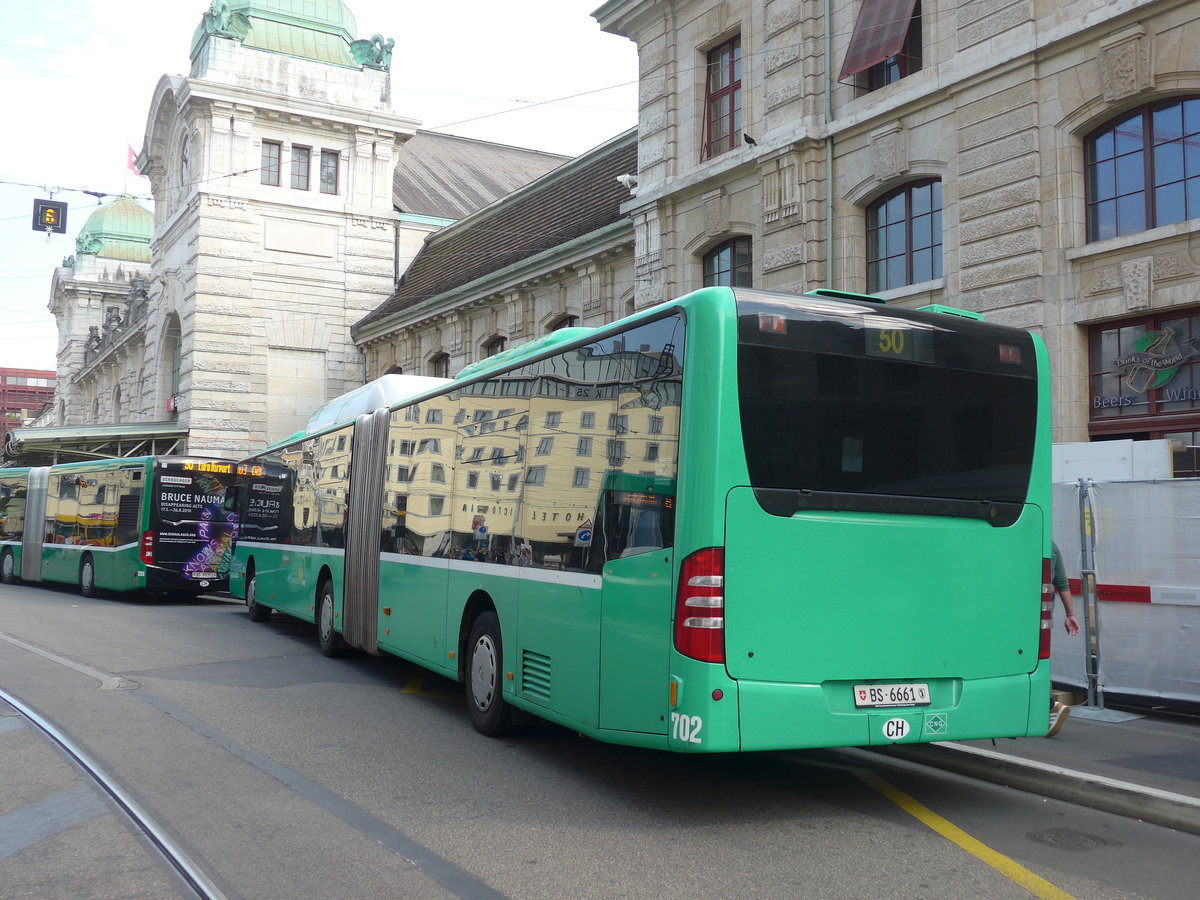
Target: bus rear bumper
796,716
166,580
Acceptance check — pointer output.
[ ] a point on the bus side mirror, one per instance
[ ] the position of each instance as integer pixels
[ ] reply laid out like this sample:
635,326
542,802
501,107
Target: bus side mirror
230,504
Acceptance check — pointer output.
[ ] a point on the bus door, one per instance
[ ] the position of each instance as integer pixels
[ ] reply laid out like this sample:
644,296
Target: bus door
632,548
35,511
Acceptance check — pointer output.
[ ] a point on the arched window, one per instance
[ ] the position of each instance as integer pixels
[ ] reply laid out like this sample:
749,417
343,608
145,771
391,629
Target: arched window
565,322
395,370
1143,169
494,346
729,264
171,377
904,236
441,366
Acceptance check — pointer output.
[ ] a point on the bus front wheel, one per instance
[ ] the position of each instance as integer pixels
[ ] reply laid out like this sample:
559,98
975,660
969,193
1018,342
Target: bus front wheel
256,611
87,577
484,684
327,636
8,568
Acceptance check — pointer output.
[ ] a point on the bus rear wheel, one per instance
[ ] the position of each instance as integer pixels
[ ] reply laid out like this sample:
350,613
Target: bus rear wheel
490,714
87,577
256,611
8,568
327,637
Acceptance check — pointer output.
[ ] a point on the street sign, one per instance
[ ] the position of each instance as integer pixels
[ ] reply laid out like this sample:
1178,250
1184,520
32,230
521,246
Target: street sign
583,534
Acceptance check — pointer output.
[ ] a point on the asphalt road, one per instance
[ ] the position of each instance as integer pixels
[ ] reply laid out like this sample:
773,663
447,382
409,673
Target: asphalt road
284,774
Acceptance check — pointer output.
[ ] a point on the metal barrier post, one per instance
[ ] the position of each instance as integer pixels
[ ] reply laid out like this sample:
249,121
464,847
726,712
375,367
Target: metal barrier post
1091,610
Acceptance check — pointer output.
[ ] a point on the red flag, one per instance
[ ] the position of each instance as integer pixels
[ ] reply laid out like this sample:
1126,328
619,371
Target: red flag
132,163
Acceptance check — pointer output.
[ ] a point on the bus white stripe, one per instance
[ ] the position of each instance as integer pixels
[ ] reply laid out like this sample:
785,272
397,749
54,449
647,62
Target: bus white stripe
91,548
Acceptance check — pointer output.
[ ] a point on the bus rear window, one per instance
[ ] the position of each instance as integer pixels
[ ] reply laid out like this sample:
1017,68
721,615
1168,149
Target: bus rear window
850,407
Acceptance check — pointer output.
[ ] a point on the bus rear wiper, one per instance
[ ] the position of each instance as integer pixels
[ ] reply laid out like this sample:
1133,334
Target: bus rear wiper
788,502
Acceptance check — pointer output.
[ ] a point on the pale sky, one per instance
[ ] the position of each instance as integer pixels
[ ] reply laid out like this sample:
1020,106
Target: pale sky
77,77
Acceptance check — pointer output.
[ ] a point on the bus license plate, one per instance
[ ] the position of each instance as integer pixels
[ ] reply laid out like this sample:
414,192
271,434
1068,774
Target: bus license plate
881,695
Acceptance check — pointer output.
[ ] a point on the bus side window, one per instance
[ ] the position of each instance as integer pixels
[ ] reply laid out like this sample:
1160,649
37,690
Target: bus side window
631,523
129,514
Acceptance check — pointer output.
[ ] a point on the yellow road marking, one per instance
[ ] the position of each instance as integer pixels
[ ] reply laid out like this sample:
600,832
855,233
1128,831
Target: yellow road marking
1010,869
416,686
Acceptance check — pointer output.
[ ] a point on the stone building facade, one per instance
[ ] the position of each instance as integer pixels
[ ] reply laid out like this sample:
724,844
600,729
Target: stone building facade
98,298
287,199
271,166
1036,164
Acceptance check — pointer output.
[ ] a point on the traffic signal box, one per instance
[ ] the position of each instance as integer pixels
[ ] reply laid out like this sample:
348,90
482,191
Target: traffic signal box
49,216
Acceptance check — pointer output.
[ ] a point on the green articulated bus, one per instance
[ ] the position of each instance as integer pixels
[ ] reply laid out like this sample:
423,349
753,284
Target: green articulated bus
153,523
736,521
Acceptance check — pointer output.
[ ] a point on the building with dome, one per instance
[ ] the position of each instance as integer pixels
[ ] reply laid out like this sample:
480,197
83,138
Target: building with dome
286,202
98,299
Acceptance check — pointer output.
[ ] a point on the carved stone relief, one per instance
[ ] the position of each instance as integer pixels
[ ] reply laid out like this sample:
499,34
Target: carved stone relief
889,152
1135,278
716,212
1125,65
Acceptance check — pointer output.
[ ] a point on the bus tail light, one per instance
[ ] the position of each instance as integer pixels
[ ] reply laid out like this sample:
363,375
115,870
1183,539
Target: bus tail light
700,606
146,551
1047,609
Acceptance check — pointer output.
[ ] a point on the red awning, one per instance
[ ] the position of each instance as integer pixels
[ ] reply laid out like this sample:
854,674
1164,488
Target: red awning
878,34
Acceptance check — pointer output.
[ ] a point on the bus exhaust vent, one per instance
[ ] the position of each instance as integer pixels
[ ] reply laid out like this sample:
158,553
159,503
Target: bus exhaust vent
535,676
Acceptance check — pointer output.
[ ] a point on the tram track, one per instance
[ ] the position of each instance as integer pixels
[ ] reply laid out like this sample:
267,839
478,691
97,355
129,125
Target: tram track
169,851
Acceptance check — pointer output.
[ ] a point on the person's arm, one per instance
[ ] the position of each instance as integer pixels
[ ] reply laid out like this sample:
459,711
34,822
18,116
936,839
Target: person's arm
1071,624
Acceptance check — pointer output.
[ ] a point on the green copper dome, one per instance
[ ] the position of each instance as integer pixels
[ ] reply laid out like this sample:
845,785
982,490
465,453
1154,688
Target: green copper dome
320,30
118,230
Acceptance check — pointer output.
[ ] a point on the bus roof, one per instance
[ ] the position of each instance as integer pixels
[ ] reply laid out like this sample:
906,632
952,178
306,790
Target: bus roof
387,390
506,358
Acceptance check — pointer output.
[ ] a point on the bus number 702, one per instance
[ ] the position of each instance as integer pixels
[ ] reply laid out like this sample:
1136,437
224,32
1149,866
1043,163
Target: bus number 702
686,728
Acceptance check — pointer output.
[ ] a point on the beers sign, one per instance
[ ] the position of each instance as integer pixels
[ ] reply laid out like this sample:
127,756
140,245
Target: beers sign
1156,359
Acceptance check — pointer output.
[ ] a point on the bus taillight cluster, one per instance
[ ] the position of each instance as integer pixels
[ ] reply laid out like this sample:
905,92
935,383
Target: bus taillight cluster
700,606
146,551
1047,609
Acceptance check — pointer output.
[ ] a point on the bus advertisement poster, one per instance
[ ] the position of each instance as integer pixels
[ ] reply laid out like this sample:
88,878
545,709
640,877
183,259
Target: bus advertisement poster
193,534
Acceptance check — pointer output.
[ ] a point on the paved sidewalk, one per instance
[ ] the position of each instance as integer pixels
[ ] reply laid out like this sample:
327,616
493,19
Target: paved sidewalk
1145,767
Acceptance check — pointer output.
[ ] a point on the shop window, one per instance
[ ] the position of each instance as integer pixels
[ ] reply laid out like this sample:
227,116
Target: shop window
1143,170
1144,377
1185,453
